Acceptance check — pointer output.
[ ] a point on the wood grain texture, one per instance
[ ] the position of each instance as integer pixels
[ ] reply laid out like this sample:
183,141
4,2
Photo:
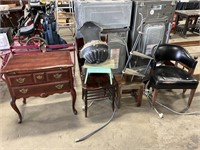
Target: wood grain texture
37,61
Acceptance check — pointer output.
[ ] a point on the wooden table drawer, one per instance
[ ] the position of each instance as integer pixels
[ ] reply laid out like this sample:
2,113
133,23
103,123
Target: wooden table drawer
25,79
58,75
39,77
42,90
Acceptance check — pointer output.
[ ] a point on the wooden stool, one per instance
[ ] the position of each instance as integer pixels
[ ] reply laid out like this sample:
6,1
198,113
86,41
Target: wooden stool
105,67
126,84
98,87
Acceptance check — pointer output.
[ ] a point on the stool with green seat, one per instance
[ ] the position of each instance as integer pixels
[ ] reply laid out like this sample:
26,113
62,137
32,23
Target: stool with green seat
105,67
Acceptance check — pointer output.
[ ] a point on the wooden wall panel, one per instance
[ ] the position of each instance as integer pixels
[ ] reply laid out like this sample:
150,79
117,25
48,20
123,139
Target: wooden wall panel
13,2
13,16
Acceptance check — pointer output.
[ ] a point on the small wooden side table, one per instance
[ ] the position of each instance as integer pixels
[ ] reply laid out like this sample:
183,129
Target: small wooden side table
125,84
39,74
191,17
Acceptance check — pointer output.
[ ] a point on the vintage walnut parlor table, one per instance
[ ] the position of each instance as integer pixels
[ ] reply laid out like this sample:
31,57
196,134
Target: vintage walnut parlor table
39,74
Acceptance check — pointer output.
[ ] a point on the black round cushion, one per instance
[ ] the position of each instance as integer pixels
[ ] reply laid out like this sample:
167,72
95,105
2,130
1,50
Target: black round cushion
95,52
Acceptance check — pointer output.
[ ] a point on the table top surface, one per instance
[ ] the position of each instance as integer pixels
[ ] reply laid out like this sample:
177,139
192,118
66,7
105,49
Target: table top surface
109,63
188,12
36,61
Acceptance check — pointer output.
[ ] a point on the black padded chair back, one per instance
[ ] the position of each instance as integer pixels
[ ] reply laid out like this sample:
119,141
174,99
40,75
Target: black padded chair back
90,31
176,53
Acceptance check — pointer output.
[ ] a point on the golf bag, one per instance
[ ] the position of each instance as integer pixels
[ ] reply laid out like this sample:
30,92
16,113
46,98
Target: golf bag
50,33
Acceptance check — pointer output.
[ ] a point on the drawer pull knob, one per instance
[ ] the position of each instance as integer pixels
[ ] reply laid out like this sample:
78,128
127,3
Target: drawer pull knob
39,77
20,80
43,95
23,91
57,75
59,86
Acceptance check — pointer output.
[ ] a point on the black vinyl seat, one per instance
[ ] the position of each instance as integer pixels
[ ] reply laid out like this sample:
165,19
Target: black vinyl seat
171,77
173,69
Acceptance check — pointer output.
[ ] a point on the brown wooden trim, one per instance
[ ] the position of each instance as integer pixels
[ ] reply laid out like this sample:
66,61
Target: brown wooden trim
187,43
13,1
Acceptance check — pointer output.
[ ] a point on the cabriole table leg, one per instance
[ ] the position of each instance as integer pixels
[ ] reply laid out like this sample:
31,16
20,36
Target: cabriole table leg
13,105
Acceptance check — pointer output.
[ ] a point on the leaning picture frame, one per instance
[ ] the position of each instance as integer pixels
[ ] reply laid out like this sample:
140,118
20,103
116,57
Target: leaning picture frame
4,43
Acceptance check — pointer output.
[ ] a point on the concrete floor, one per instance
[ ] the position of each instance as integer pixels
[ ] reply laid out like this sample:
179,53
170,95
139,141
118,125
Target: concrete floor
49,123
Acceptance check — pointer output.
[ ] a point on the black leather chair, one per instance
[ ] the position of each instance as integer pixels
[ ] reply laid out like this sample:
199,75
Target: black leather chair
173,69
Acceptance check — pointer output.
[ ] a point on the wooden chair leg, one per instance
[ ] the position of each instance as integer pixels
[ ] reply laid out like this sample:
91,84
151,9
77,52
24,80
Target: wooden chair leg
86,106
139,96
83,93
113,98
191,97
119,94
155,93
184,90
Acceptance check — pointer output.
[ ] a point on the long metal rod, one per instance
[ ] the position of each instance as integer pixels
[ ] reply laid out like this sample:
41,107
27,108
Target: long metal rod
133,49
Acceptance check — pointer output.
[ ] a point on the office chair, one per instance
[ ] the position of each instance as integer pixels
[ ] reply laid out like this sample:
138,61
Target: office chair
173,69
